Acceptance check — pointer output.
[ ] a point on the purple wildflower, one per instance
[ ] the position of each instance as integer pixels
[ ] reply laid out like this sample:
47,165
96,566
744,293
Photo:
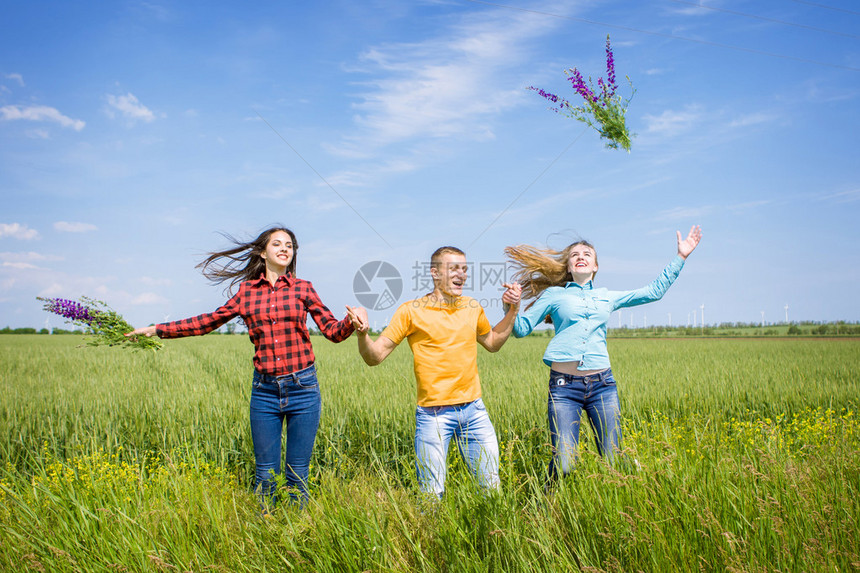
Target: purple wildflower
104,325
610,68
579,85
562,103
551,97
603,108
70,309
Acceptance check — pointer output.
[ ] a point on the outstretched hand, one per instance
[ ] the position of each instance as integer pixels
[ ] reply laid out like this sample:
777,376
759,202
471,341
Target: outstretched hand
688,245
512,293
147,331
358,316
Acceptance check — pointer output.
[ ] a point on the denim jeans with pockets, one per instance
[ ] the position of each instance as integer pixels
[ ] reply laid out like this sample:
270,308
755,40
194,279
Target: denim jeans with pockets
569,395
470,425
294,398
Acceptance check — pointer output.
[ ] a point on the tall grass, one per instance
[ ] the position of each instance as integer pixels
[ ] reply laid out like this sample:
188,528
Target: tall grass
749,453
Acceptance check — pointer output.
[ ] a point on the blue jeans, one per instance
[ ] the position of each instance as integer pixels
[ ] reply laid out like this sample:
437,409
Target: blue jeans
568,396
296,398
476,438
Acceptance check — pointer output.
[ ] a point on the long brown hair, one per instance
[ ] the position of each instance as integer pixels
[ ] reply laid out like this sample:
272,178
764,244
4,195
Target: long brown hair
243,262
538,269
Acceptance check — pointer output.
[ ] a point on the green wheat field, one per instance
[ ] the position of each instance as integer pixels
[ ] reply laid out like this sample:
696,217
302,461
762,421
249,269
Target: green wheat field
748,454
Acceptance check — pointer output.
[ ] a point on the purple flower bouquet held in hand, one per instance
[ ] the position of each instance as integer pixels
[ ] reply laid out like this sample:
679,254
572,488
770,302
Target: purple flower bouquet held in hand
603,108
106,325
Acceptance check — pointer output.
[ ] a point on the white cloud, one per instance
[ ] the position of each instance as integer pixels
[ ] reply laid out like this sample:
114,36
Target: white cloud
528,208
68,227
319,204
752,119
688,213
18,231
18,78
150,281
697,213
275,193
38,134
177,218
749,205
157,11
39,113
19,265
692,11
843,196
130,108
446,86
368,176
94,287
672,122
148,298
25,257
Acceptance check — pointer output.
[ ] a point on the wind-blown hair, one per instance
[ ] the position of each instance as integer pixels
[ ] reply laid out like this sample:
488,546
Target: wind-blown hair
243,262
538,269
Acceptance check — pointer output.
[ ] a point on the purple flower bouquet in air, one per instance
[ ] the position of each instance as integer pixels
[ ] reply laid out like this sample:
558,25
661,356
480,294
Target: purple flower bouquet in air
603,108
106,325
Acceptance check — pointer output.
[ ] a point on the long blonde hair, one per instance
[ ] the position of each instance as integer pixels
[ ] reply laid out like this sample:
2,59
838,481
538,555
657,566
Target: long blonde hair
538,269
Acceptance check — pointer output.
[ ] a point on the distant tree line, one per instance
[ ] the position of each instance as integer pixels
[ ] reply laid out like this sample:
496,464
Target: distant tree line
8,330
806,328
232,327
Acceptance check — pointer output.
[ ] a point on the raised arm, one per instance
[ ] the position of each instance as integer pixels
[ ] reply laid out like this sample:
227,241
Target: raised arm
372,351
494,339
658,287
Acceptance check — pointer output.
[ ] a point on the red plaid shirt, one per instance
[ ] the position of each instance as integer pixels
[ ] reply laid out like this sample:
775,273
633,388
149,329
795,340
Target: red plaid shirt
276,318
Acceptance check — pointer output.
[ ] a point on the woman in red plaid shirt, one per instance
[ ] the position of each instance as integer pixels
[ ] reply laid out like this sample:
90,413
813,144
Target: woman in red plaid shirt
274,305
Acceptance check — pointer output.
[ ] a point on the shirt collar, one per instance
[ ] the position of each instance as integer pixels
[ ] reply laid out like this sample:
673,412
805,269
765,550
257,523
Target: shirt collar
586,286
287,279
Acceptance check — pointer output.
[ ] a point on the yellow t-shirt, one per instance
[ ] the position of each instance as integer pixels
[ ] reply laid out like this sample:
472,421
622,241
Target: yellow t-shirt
444,347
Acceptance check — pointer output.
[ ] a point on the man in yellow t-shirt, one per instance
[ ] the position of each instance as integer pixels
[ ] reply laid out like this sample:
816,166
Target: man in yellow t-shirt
444,329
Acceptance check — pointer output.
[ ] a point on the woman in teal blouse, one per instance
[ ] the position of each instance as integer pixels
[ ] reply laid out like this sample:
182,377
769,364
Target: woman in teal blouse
561,282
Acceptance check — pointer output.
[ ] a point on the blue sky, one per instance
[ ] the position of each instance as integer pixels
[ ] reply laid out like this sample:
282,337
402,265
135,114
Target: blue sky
132,133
